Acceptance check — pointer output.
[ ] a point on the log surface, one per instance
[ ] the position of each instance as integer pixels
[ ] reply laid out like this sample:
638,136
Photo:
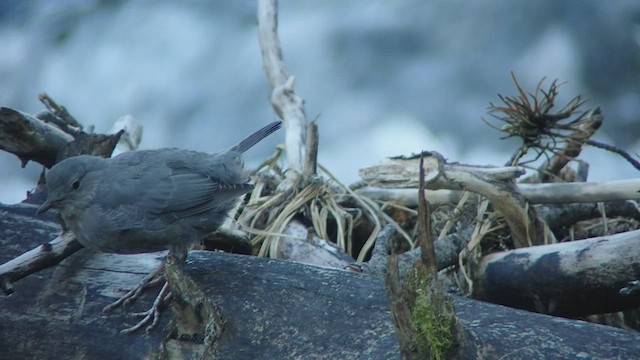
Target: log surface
273,309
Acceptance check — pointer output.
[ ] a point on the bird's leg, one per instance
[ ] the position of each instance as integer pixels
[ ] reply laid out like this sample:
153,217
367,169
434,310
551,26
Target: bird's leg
150,280
153,314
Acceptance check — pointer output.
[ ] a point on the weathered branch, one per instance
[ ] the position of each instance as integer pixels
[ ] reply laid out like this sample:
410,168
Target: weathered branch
71,125
286,103
42,257
496,184
29,138
559,193
550,193
36,138
409,197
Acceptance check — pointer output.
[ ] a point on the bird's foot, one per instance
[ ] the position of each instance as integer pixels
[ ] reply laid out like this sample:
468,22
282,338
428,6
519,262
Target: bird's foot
150,280
151,316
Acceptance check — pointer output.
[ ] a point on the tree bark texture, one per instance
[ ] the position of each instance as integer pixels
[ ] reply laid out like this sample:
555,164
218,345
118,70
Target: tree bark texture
272,309
571,279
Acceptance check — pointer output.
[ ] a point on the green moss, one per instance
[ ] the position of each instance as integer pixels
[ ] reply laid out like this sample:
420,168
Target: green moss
432,315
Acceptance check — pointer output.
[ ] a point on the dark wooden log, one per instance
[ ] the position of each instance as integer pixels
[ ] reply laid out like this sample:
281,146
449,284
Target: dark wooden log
272,309
570,279
30,138
40,139
498,332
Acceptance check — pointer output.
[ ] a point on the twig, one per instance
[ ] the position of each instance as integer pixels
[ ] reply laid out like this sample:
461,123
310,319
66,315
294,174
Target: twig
59,111
311,160
40,258
614,149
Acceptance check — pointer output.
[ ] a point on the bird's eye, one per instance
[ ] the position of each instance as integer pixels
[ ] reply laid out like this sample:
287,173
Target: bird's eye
75,185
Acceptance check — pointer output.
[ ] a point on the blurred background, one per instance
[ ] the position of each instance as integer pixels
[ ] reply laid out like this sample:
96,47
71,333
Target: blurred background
384,78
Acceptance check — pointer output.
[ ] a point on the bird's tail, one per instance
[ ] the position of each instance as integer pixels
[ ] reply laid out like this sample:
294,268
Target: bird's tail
255,138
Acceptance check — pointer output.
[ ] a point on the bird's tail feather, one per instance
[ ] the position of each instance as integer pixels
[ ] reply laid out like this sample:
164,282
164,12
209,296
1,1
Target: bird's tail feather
255,138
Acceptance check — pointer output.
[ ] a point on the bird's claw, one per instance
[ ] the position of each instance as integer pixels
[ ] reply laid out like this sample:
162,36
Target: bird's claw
152,315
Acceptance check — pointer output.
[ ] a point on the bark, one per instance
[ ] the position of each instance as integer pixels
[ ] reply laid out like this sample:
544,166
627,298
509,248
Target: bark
552,193
571,279
30,138
271,309
47,138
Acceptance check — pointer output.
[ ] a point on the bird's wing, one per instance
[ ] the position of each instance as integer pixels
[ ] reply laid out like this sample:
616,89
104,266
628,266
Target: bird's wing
147,187
177,182
197,193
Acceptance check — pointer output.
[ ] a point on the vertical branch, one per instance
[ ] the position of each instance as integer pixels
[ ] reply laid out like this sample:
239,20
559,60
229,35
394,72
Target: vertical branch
311,160
399,308
425,231
286,103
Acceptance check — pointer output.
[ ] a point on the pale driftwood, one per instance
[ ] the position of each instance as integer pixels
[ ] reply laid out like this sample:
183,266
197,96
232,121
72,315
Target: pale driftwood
563,193
404,172
287,104
42,257
550,193
307,248
132,136
409,197
575,278
496,184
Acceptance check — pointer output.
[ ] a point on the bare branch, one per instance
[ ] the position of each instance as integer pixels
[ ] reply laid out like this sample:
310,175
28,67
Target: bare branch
286,103
42,257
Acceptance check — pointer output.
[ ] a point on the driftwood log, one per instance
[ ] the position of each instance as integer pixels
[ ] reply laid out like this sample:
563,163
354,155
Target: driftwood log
271,309
569,279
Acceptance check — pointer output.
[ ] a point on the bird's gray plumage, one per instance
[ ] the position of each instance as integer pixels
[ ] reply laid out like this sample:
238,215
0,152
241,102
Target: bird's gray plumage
149,200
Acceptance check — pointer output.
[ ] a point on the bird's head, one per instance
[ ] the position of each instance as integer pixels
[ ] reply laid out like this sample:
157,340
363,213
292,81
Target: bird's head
69,186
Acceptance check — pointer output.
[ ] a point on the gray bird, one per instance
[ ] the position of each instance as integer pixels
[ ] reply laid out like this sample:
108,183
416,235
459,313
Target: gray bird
149,200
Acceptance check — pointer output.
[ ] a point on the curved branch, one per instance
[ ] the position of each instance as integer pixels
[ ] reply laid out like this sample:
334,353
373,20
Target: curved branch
286,103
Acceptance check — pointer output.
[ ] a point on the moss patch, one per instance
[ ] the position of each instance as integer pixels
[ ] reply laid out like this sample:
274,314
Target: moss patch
432,315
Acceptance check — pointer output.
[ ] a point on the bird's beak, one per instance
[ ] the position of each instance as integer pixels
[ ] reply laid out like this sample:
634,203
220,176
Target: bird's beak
46,206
